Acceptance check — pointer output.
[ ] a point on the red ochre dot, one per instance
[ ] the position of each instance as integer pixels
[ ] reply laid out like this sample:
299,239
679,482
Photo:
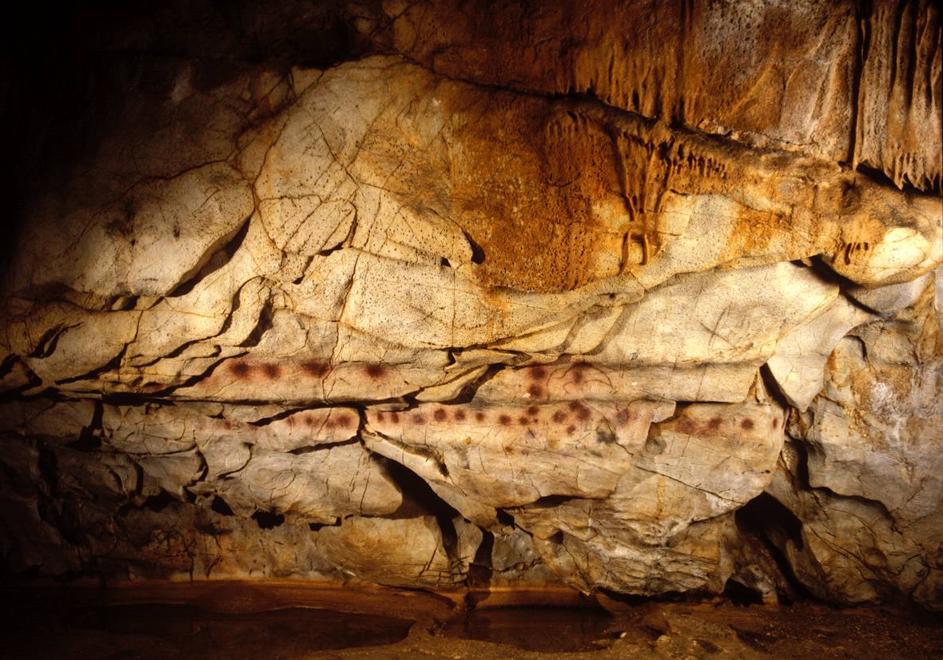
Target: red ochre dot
504,420
272,371
687,426
240,369
315,368
375,371
440,415
559,417
581,411
459,415
479,416
746,424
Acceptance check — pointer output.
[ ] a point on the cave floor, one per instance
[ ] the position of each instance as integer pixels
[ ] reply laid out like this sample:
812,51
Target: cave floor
290,621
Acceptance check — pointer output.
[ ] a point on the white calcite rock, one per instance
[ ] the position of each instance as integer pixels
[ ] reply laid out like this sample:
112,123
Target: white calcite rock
798,366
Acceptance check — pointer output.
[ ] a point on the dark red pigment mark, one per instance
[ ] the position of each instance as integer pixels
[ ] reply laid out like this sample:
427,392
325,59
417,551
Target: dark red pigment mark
504,420
459,415
479,416
577,369
535,390
533,410
315,368
375,371
537,373
746,424
687,426
559,417
308,420
272,371
381,417
343,420
774,423
419,419
622,417
240,369
522,420
570,429
394,417
715,423
440,415
582,412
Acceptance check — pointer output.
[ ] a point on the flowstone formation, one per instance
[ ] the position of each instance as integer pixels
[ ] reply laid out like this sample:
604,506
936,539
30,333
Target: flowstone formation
524,297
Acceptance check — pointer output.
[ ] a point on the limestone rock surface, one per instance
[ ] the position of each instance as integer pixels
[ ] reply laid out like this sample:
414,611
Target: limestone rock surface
514,296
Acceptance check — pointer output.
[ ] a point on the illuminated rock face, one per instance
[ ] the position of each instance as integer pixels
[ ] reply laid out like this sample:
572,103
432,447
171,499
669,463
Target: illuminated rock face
523,297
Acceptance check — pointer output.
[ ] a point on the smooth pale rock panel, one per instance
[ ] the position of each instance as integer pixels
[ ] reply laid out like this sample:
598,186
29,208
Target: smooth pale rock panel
718,317
318,486
894,297
60,342
798,366
580,380
709,460
876,429
407,552
508,456
694,561
312,378
122,249
162,429
714,330
670,512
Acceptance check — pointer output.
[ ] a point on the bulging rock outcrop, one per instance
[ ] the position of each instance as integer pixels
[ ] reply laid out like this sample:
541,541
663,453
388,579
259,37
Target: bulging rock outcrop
515,295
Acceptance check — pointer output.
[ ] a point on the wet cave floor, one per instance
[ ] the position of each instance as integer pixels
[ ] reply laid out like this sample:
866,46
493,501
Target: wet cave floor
237,620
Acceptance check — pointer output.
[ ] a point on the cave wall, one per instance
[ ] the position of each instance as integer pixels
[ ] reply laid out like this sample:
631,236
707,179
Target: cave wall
637,298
